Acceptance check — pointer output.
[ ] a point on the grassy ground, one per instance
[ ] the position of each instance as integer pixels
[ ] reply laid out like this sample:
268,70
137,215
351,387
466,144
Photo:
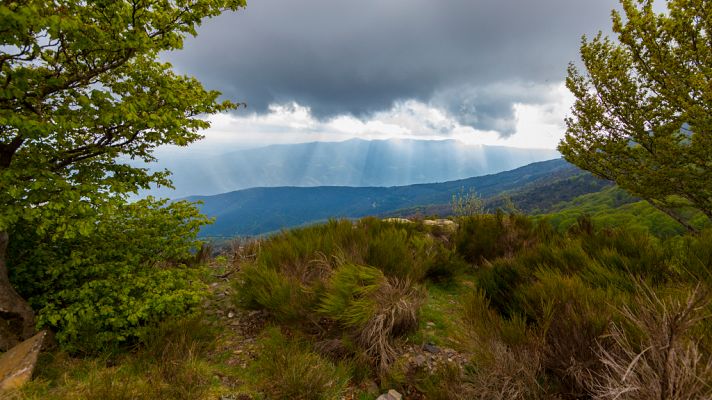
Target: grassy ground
502,308
213,355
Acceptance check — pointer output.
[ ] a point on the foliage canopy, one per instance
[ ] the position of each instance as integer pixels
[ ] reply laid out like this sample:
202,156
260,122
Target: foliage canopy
643,110
82,88
82,92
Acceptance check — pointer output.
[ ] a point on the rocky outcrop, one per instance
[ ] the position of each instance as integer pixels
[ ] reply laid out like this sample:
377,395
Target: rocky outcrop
391,395
18,363
17,321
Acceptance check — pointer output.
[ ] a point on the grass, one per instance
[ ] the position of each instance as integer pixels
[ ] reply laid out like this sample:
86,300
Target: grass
171,365
327,312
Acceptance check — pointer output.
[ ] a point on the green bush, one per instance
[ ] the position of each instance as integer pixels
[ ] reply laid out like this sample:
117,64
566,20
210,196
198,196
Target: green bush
289,370
506,355
389,251
445,266
102,289
406,251
500,280
350,295
486,237
572,316
691,256
287,299
374,308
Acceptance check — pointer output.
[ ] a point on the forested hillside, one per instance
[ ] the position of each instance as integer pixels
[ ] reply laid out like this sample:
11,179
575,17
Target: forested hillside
262,210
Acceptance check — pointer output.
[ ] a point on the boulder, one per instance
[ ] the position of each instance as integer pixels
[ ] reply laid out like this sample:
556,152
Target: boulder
398,220
443,223
18,363
391,395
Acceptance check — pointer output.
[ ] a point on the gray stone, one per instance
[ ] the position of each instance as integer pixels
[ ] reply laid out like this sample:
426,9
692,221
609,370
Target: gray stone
430,348
391,395
394,395
420,360
18,363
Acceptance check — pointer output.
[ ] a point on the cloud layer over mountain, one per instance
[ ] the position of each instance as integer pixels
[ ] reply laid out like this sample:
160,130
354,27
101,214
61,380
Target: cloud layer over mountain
473,59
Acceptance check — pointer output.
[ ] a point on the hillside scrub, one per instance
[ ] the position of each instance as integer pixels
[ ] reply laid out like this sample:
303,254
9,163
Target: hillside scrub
541,314
362,278
135,268
542,305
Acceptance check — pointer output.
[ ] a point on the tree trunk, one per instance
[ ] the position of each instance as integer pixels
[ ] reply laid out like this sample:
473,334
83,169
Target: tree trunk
17,320
674,215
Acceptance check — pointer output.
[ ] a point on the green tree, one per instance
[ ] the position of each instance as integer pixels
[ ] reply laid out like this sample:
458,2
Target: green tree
137,267
467,204
643,111
82,88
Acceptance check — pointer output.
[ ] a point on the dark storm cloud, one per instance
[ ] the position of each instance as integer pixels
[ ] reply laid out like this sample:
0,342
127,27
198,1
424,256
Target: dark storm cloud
473,58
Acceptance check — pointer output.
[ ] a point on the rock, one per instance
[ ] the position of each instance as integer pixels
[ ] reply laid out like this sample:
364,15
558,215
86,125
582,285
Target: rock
419,360
17,364
371,387
445,223
398,220
391,395
430,348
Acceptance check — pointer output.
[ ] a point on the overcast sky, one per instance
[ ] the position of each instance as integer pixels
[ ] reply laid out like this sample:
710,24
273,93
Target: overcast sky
481,71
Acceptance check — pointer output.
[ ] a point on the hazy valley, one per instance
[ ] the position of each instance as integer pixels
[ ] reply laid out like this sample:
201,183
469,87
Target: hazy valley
354,162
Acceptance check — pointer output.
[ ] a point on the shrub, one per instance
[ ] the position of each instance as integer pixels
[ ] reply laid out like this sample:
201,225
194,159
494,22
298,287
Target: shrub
288,370
499,280
377,308
630,252
486,237
350,295
691,256
286,298
103,287
572,316
445,266
397,314
653,354
506,360
405,251
398,254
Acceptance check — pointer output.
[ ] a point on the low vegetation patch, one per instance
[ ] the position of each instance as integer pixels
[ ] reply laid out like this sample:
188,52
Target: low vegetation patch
534,313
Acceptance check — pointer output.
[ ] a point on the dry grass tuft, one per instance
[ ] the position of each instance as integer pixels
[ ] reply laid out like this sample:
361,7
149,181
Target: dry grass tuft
508,374
398,302
507,355
656,358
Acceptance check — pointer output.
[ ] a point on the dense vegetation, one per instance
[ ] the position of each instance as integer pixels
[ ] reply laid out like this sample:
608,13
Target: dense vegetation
266,210
611,305
83,91
613,207
513,307
642,112
137,267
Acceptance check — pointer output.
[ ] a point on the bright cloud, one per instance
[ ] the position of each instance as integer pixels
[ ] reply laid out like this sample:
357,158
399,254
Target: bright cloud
537,125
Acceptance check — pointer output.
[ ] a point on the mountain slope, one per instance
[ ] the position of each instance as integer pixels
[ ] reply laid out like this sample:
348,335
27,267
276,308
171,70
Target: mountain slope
350,163
261,210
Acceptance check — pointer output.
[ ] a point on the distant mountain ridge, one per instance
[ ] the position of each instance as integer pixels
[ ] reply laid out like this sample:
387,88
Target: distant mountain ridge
262,210
353,162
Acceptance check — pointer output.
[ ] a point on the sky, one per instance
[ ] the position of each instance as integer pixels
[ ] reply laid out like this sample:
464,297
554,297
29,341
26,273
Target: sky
479,71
